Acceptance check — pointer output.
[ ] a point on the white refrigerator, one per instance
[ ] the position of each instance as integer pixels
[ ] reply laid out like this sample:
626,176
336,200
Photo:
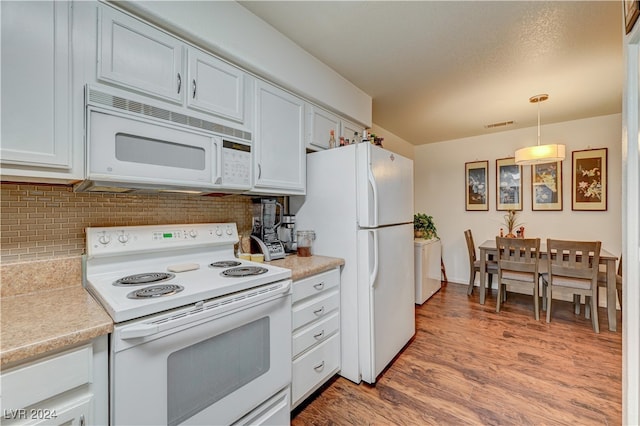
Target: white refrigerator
360,204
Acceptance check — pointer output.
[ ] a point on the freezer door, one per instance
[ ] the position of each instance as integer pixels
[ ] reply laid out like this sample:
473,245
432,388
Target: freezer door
386,318
385,187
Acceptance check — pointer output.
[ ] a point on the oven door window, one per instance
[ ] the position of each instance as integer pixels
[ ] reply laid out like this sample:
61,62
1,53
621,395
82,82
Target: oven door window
200,375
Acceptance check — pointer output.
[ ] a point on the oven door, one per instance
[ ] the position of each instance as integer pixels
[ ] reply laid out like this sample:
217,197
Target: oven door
202,365
124,148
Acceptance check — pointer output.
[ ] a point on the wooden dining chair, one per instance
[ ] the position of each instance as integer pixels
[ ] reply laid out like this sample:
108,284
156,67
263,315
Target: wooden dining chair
474,263
518,266
573,269
602,280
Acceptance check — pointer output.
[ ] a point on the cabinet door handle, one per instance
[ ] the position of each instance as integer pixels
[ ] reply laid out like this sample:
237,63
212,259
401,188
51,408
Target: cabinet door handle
179,83
194,89
319,367
319,286
82,421
319,335
259,171
319,311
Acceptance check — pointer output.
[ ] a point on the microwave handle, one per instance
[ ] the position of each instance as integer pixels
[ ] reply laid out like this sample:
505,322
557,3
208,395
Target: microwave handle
218,153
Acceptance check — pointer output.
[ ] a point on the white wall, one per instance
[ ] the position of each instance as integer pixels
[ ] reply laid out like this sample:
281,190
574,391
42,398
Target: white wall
392,142
231,31
440,188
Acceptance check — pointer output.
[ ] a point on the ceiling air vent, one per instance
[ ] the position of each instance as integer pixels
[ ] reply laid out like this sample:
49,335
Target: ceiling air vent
501,124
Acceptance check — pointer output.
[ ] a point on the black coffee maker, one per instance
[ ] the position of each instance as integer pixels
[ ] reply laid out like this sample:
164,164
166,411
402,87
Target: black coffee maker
267,216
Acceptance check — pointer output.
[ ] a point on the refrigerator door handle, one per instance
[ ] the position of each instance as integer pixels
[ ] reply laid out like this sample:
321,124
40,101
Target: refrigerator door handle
374,187
374,274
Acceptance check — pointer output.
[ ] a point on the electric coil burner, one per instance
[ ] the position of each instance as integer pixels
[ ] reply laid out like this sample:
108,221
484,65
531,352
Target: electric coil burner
155,291
225,264
141,279
244,271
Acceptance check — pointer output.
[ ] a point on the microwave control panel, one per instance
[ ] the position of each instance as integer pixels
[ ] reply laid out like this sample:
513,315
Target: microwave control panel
236,164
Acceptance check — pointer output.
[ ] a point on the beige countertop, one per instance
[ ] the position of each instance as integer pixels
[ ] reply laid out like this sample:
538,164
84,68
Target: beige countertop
33,324
39,318
302,267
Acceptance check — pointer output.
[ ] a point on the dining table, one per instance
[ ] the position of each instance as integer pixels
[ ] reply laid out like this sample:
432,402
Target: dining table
488,250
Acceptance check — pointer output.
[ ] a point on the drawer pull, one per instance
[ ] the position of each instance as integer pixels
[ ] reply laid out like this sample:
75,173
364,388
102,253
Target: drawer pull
319,335
319,367
319,312
319,286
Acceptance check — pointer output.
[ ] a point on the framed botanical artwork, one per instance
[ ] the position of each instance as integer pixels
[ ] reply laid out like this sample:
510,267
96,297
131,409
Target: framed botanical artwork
546,186
589,179
476,181
508,184
631,12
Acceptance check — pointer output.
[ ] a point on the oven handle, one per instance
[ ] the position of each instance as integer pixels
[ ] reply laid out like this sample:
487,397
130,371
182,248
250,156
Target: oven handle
208,309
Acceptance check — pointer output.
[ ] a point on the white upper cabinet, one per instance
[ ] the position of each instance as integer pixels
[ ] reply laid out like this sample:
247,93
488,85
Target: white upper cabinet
139,57
36,82
319,125
280,163
215,86
347,129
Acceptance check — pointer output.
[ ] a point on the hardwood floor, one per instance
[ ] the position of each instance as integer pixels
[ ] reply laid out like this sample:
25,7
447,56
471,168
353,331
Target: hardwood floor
468,364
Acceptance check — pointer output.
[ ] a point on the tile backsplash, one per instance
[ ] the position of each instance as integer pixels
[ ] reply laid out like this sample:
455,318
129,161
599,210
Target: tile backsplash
40,222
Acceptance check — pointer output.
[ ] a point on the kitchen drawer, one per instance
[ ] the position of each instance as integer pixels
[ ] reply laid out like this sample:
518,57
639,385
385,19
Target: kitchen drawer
315,367
315,284
315,332
35,382
315,308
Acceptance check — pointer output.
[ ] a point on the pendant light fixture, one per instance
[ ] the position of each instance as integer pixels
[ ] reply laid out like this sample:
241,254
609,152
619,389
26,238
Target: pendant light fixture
539,154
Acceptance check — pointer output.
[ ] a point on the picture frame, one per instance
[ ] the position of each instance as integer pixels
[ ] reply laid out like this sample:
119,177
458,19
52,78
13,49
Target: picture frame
508,184
631,13
476,185
546,186
589,180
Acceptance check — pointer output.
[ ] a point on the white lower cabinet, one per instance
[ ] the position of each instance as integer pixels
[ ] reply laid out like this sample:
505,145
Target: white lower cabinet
67,388
316,333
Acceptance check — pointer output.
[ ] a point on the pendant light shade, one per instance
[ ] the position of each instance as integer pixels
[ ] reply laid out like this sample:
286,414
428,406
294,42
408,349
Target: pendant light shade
538,154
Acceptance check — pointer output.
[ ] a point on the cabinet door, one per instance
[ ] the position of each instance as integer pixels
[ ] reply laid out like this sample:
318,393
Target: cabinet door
76,413
348,129
138,56
36,82
280,164
215,86
320,123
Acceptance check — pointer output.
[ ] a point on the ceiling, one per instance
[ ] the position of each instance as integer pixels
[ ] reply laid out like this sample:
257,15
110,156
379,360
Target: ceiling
442,70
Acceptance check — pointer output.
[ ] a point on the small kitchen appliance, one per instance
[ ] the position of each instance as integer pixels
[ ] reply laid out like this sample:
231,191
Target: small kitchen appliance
200,337
287,233
267,217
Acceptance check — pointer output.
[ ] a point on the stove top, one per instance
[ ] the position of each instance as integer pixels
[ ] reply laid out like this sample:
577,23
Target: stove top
127,268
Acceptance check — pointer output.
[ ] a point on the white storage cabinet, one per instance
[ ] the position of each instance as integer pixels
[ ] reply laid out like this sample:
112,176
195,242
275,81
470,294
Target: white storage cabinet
137,56
428,254
36,85
279,158
319,124
68,388
316,333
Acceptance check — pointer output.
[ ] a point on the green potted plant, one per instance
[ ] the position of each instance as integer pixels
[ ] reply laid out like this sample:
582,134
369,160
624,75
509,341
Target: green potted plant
423,226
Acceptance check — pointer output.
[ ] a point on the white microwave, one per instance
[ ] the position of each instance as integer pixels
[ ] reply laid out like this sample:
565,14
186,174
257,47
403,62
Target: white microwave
128,152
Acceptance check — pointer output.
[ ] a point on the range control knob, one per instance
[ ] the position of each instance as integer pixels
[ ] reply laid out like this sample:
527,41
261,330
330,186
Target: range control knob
218,232
229,231
193,233
123,238
104,239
